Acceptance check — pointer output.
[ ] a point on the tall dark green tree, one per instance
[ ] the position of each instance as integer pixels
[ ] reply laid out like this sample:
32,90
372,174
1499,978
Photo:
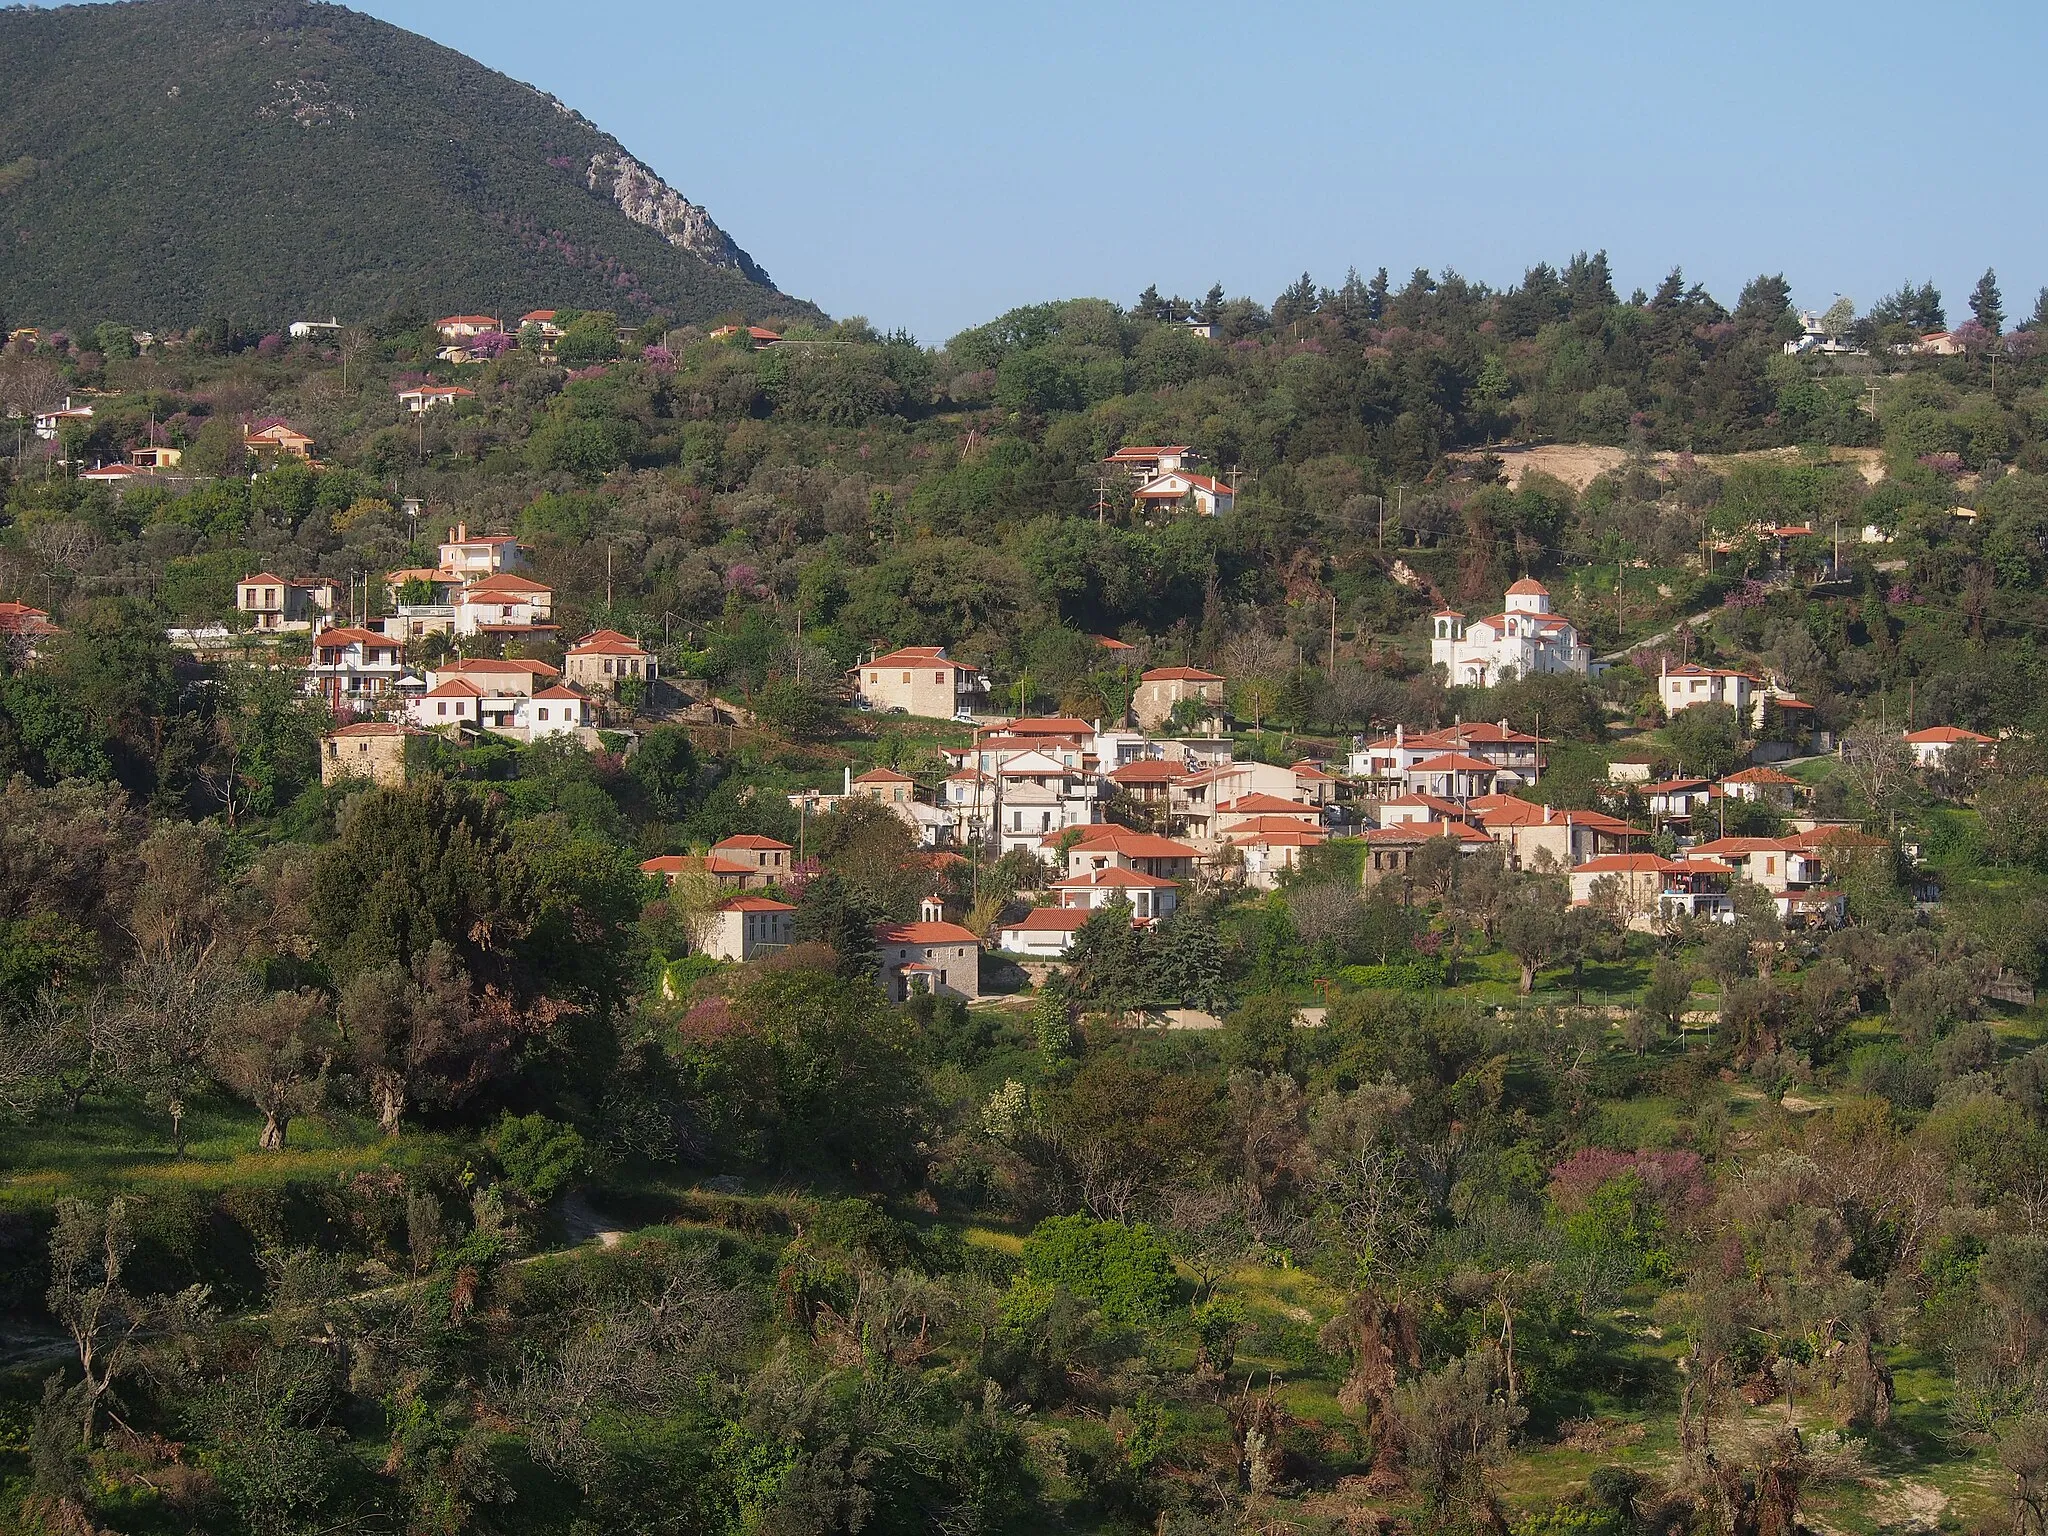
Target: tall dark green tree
1987,304
835,911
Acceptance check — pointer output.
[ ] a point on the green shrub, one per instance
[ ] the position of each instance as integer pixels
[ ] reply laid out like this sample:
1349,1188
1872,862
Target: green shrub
538,1155
1422,974
1123,1269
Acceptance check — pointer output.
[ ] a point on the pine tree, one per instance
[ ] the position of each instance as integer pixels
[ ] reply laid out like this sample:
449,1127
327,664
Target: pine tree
1149,303
1987,304
1376,296
1212,305
2038,321
1187,961
1298,302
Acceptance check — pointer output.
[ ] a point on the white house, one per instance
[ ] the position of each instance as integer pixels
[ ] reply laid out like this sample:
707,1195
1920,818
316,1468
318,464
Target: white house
747,926
1525,637
1151,897
472,556
918,680
302,330
48,422
557,711
1150,463
1932,746
1043,933
504,604
428,397
1209,496
1680,688
352,669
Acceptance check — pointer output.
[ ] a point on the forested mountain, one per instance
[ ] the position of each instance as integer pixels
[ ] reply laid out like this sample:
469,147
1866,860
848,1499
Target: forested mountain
171,160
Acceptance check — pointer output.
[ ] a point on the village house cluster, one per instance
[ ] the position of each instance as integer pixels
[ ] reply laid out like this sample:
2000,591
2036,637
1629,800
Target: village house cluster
1130,813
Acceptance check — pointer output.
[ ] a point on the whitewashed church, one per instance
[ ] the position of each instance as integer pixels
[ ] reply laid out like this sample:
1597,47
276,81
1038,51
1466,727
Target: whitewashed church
1526,638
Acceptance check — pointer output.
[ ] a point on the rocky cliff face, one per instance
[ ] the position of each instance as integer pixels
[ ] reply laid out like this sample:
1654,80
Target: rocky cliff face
648,200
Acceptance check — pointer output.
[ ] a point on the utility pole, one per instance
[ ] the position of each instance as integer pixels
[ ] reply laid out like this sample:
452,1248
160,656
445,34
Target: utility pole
1383,520
1620,630
607,575
1333,637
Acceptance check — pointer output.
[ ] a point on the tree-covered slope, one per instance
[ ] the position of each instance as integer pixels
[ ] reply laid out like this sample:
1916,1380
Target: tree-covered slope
163,161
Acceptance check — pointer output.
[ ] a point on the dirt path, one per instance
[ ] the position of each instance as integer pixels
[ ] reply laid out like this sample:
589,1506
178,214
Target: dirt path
583,1222
1578,465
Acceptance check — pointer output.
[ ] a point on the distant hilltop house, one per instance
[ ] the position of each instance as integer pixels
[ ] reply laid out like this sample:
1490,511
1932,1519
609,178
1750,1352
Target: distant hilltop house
1814,337
1166,479
22,628
277,440
761,337
49,423
1208,496
541,321
1526,637
606,659
274,604
426,397
918,680
156,456
463,327
1163,689
305,330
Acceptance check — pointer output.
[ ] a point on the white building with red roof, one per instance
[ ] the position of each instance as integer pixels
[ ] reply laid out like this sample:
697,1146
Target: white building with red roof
1932,746
1204,494
474,556
1523,638
1150,897
1680,688
1148,463
745,926
505,604
918,680
352,668
1043,933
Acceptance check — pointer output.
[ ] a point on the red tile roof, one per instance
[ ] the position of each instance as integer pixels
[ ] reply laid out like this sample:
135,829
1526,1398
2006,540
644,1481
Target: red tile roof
754,904
752,841
1047,920
924,933
607,642
1180,675
1945,735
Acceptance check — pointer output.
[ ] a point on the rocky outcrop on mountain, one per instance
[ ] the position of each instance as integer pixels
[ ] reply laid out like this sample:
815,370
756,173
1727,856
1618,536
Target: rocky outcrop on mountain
648,200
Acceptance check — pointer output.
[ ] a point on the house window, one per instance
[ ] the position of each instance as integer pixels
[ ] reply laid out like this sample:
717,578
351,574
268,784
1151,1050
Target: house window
441,709
874,677
543,714
906,677
939,678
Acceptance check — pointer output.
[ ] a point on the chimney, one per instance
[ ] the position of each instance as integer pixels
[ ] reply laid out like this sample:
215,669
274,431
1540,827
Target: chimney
1400,734
849,778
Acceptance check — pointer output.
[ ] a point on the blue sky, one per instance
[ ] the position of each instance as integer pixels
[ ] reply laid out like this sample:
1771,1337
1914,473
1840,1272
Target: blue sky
930,165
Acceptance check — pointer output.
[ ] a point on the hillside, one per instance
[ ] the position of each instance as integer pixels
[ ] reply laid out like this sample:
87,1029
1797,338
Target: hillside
165,161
